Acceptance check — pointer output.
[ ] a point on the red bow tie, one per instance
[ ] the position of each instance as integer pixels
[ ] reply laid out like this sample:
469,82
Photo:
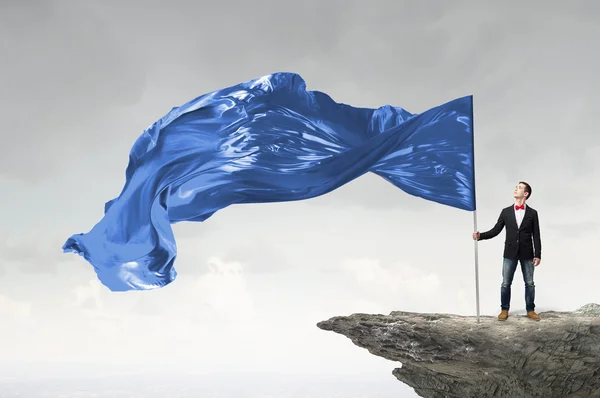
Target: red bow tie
522,207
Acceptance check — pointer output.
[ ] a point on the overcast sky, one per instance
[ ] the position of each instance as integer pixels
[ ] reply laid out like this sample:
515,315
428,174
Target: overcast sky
80,80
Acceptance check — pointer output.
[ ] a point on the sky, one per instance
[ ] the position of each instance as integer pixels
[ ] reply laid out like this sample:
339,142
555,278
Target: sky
81,80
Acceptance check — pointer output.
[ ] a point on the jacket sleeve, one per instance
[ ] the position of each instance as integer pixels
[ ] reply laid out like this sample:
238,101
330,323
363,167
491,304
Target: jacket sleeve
494,231
537,241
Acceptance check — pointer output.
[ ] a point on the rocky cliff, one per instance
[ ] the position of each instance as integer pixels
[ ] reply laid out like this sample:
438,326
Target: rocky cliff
446,355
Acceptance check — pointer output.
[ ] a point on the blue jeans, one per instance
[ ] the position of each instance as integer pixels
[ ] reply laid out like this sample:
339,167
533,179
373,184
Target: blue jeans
508,272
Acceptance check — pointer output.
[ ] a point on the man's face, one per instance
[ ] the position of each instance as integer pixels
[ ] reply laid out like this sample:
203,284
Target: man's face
519,192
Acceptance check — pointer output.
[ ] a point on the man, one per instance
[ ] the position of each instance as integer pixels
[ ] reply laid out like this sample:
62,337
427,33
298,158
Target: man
522,245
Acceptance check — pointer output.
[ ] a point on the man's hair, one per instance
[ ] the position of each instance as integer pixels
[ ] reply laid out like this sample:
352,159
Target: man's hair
527,189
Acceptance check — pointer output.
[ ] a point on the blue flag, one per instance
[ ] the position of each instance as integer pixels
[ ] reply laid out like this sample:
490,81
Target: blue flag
267,140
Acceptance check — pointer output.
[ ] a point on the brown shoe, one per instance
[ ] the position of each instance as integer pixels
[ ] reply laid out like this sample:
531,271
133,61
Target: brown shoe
533,315
503,315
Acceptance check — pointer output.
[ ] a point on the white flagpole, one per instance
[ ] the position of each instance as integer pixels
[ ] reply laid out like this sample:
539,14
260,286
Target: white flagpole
476,265
475,214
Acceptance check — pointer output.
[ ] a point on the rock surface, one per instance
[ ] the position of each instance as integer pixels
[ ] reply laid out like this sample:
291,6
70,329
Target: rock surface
446,355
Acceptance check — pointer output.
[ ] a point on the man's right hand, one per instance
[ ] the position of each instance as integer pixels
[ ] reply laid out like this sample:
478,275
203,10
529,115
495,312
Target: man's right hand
476,235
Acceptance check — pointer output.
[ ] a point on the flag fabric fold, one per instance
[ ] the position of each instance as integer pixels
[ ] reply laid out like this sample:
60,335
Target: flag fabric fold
267,140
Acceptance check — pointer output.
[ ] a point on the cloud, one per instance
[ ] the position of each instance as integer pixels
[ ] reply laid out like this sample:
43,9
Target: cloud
218,296
224,289
88,296
396,277
65,76
258,257
393,284
36,271
11,309
33,255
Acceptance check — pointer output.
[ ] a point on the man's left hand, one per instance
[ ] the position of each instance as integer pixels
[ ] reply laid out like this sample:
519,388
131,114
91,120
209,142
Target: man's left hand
536,262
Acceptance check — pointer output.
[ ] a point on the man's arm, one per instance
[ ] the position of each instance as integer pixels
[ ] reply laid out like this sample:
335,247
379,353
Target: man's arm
537,241
494,231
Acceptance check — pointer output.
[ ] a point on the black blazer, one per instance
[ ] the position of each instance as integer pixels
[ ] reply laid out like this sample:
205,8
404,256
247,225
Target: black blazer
523,243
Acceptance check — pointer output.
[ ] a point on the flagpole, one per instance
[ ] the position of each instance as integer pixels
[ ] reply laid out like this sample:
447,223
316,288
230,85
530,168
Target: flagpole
476,265
475,212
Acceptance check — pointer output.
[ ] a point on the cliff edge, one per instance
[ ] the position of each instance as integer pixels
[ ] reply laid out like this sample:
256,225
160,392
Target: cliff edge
445,355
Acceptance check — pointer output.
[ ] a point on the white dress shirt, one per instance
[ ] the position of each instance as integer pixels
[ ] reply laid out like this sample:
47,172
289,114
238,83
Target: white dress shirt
519,215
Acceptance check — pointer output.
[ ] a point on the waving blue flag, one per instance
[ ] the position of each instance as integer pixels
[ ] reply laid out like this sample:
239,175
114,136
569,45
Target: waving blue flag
267,140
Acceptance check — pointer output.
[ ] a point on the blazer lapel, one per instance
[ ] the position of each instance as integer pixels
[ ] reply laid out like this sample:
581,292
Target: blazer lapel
511,216
527,211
